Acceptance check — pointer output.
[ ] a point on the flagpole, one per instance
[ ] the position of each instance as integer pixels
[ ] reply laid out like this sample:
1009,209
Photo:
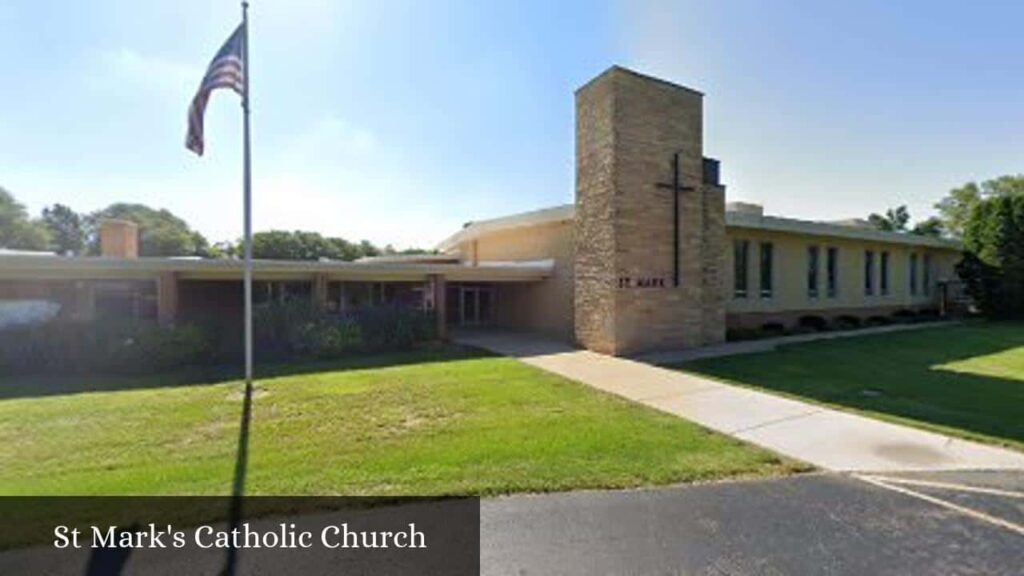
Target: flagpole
247,199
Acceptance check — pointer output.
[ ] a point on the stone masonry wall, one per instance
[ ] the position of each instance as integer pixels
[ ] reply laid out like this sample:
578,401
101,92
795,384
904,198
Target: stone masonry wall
629,127
594,234
716,245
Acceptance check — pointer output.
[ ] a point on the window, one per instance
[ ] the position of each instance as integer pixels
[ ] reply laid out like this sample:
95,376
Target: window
927,275
127,301
380,293
266,292
812,271
766,269
740,261
869,272
913,274
832,271
884,279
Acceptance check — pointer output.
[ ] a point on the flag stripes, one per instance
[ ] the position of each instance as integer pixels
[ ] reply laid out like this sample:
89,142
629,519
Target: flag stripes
226,70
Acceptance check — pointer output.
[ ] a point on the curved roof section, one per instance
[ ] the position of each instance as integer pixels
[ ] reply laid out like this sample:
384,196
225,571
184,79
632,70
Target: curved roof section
474,230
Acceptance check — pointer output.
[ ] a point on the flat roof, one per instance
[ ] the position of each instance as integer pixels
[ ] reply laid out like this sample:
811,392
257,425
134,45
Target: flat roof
733,219
616,68
831,230
20,266
28,265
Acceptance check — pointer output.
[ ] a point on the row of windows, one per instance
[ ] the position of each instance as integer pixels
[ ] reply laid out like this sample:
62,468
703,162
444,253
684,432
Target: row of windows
883,284
766,252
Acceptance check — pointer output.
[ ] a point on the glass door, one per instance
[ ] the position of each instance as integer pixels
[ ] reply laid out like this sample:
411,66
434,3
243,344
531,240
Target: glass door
469,305
476,305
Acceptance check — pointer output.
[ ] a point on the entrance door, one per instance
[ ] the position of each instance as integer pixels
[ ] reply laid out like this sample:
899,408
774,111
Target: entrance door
476,305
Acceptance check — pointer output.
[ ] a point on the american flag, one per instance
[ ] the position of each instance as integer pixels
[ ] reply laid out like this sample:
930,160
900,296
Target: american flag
226,70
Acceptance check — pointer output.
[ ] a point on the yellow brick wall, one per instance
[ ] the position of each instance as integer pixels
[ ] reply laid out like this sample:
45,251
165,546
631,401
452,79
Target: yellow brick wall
545,306
790,273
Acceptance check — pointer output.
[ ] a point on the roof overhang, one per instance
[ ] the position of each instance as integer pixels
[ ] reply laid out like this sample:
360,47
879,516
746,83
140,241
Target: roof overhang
733,219
82,268
809,228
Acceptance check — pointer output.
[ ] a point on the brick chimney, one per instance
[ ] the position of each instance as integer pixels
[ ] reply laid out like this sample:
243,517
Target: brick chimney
119,239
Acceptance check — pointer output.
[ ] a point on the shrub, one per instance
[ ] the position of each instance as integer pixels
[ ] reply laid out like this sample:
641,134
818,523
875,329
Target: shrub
150,347
928,314
394,328
329,339
813,322
878,321
104,347
302,329
295,328
846,322
741,334
773,328
904,315
281,328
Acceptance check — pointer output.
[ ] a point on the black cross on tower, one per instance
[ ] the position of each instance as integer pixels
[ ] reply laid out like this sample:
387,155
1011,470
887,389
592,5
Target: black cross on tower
676,189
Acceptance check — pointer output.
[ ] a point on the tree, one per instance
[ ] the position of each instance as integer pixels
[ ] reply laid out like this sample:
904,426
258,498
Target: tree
300,245
932,226
894,220
67,234
993,267
284,245
16,229
956,208
368,249
223,249
161,233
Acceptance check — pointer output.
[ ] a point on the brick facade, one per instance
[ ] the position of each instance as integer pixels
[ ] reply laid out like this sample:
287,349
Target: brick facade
628,129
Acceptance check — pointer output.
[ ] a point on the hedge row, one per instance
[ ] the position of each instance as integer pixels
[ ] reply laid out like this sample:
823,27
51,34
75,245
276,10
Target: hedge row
814,323
282,332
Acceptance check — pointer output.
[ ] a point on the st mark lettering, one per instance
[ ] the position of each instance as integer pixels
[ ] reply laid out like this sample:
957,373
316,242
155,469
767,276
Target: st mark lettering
627,282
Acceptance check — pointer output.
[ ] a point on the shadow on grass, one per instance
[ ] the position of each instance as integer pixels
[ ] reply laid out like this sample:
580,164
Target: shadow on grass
901,375
41,385
238,484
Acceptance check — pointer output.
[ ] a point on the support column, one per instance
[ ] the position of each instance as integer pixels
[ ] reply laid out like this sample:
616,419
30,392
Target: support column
320,290
167,298
440,288
85,302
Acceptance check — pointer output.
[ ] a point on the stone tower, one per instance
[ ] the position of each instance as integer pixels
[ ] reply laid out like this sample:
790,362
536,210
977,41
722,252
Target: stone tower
629,128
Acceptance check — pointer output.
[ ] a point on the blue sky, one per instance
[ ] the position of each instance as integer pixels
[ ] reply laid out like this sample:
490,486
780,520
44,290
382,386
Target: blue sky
399,121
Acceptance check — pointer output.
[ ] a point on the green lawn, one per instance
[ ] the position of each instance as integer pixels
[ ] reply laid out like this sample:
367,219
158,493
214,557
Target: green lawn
966,380
440,422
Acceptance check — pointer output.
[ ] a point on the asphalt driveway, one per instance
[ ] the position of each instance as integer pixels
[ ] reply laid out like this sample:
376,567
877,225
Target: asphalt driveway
924,523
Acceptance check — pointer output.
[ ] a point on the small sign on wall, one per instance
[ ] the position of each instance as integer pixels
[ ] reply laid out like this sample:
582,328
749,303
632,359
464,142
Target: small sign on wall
629,282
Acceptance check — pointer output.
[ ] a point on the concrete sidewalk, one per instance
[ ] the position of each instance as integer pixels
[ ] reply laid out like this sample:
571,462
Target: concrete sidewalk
768,344
829,439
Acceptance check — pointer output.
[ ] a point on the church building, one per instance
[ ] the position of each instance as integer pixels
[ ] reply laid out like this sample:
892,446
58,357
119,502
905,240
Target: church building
649,256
